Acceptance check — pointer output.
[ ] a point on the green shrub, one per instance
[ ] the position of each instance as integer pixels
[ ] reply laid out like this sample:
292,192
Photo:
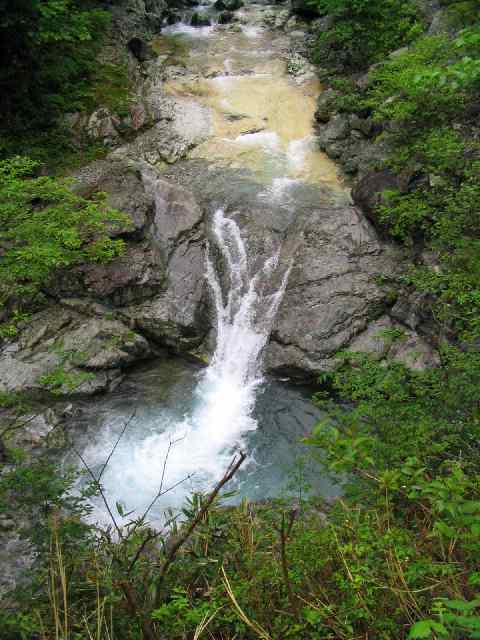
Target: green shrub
46,226
427,85
51,46
364,31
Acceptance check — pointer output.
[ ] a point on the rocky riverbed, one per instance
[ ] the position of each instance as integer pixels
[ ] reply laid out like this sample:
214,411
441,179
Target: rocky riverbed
223,117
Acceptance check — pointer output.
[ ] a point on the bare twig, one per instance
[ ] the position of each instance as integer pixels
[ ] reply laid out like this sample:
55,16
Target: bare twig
160,491
151,536
230,472
124,428
284,533
101,492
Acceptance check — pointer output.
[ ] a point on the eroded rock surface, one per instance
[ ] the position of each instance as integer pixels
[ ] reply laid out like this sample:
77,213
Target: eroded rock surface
332,293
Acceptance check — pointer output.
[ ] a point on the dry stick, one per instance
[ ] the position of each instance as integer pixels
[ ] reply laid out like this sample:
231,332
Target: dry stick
155,534
134,608
284,535
102,494
258,629
127,423
230,472
160,491
96,481
135,611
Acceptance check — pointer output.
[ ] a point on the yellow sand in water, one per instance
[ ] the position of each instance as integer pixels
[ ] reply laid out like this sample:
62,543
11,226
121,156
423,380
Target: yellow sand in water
262,120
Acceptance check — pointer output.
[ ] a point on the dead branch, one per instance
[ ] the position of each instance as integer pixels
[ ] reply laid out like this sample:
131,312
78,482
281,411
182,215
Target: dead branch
233,467
99,487
284,533
124,428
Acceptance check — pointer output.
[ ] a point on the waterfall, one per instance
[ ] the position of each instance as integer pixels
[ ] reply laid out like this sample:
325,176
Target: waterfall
246,300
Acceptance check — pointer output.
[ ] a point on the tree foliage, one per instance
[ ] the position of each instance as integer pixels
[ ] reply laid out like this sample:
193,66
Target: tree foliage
45,226
47,52
364,31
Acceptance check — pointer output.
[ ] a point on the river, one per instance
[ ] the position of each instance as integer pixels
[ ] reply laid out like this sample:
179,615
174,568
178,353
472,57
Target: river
187,421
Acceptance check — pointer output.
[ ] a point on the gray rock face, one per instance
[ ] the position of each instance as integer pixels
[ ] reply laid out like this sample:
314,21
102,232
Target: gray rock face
157,288
64,351
102,125
407,347
326,105
332,293
304,9
337,128
181,124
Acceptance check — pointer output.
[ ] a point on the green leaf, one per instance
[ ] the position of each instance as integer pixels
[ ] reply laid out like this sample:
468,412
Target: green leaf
422,629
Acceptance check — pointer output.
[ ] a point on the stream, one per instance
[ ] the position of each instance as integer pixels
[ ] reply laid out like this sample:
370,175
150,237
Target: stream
185,421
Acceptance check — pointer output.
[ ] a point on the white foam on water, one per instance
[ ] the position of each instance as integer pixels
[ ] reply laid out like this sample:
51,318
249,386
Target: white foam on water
268,140
181,28
279,190
245,303
251,31
297,151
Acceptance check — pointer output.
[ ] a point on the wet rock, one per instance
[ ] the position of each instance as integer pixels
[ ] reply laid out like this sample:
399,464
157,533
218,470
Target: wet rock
326,105
368,192
139,49
200,20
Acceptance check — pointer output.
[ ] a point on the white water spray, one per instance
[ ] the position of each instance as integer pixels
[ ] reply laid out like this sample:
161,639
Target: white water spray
205,440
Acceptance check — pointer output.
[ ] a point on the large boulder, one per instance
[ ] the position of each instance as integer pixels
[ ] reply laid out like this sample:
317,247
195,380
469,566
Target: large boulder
332,293
200,20
228,5
181,123
164,250
326,105
155,289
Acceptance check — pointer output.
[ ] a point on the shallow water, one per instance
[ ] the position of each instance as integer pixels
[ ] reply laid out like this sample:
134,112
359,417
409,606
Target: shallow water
262,117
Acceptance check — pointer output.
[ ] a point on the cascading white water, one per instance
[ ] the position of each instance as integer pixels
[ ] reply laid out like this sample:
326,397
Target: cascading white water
205,440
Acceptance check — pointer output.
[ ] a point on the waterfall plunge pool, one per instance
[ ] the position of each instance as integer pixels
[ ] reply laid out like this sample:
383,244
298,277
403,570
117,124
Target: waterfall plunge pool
189,423
162,393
